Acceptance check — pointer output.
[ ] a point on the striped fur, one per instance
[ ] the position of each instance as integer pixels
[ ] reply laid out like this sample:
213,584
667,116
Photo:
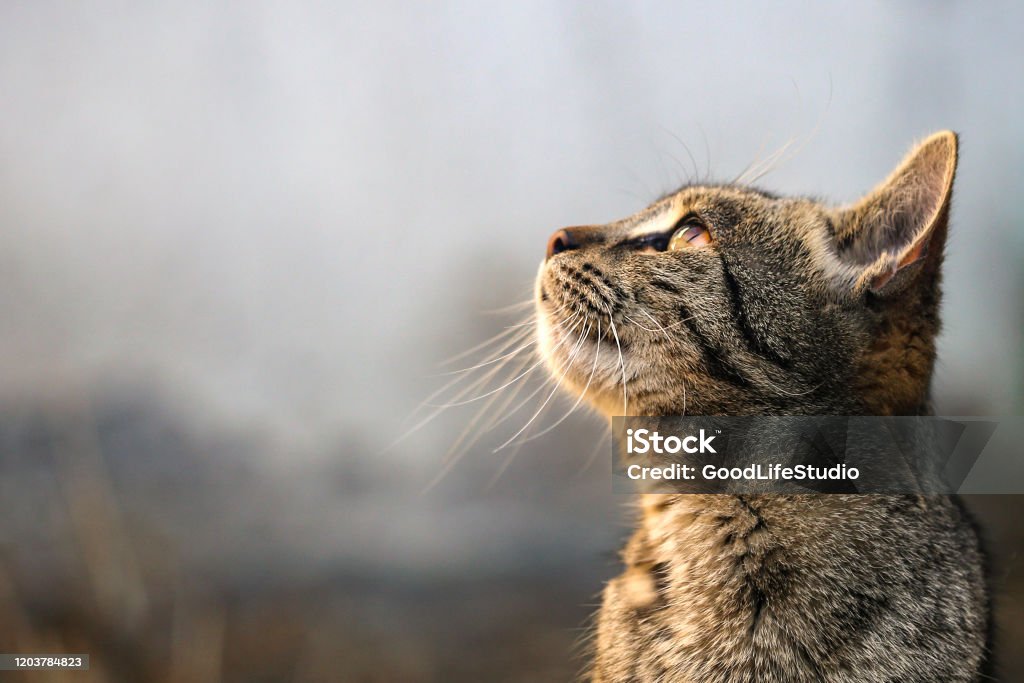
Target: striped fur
794,308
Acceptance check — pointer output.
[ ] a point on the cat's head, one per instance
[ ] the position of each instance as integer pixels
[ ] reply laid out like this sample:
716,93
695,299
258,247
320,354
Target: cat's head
721,299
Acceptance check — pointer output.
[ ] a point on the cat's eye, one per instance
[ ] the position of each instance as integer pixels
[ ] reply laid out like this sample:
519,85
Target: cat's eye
689,235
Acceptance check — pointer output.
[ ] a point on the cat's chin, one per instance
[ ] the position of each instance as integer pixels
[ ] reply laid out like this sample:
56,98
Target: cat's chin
583,365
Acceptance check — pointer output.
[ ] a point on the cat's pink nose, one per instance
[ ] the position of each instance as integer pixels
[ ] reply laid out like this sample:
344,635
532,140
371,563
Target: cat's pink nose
562,240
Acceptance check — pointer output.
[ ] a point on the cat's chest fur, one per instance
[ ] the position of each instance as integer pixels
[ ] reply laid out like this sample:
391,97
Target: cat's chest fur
732,588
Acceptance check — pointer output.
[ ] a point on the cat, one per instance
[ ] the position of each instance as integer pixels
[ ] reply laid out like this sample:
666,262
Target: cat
727,300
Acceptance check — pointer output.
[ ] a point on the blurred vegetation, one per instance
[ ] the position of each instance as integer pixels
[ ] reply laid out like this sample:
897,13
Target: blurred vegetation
85,569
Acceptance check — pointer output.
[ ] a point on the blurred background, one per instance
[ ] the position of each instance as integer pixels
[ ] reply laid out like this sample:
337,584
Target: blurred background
238,240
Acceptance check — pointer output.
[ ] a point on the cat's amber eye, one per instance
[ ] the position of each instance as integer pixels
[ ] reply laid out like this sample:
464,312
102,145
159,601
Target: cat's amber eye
690,235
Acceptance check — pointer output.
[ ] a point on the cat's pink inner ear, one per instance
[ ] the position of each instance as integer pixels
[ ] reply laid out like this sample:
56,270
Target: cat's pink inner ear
915,254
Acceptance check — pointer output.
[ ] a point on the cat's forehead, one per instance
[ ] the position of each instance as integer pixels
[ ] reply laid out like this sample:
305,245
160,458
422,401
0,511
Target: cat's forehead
728,203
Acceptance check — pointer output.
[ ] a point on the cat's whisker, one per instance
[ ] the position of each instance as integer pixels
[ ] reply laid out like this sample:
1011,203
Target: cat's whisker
753,170
783,155
756,160
689,153
518,332
517,447
660,327
563,370
782,159
455,454
427,401
513,329
501,412
665,328
494,391
529,322
506,415
519,406
593,370
466,443
772,162
463,443
474,385
760,166
622,363
511,308
568,363
636,323
438,409
488,362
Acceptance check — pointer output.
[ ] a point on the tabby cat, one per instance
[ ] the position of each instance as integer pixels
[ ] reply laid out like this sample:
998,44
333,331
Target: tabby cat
726,300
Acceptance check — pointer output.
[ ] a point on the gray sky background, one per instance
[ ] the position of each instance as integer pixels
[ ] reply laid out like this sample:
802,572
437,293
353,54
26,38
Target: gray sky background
281,215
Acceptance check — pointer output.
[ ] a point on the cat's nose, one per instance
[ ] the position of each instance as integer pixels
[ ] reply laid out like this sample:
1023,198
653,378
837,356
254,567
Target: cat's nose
562,240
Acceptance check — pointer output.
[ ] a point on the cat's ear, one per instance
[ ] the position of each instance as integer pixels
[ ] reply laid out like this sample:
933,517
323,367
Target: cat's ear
897,230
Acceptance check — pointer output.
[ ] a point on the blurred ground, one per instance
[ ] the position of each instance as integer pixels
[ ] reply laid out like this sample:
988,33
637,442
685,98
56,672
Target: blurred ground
121,537
126,536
